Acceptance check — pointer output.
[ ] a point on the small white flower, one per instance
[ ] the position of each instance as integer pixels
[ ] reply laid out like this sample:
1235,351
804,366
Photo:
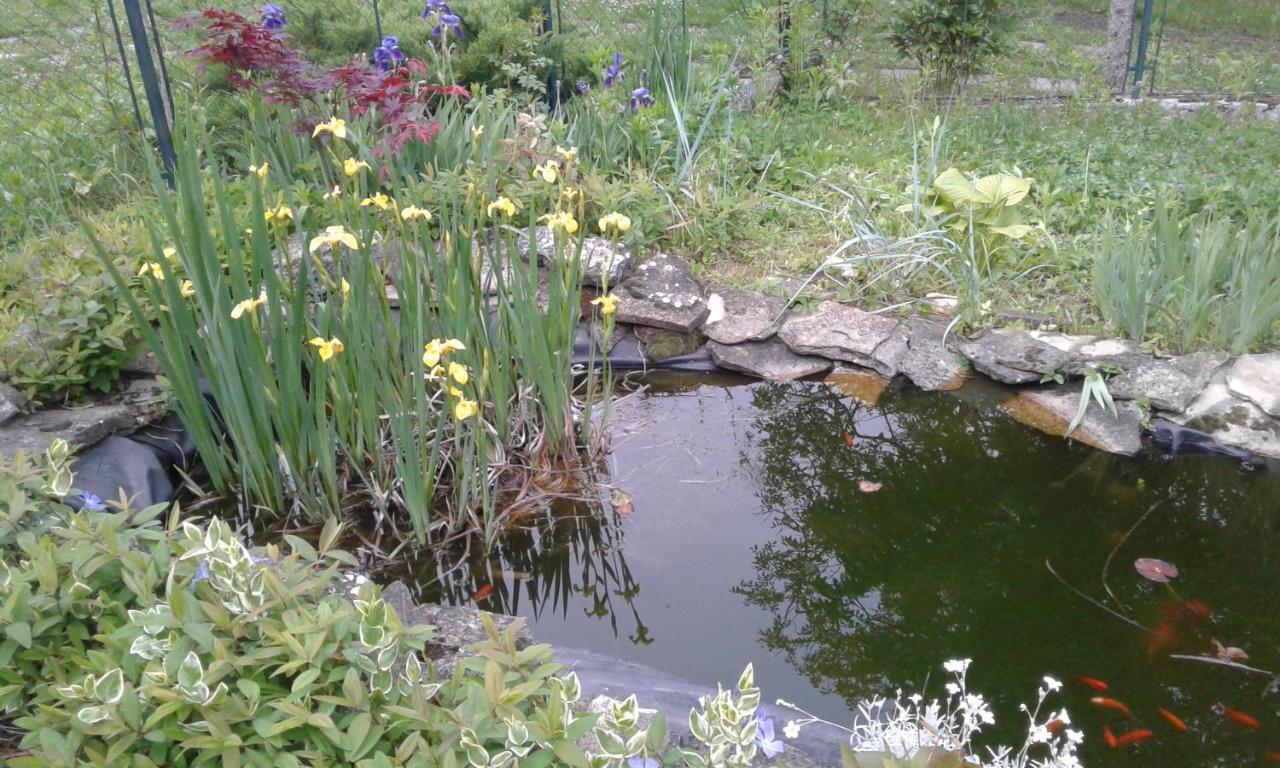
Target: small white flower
1053,685
953,689
791,730
957,666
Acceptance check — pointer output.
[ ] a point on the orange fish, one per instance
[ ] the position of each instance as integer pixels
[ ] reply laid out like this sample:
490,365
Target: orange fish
1133,737
1173,720
1198,610
483,593
1103,702
1162,638
1092,682
848,440
1271,757
1109,736
1239,718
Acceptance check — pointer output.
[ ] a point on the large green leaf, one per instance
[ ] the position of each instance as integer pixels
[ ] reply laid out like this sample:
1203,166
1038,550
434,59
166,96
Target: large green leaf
954,187
1001,189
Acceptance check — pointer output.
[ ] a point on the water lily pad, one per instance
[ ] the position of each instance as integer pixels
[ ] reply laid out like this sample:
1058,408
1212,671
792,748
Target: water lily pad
1156,570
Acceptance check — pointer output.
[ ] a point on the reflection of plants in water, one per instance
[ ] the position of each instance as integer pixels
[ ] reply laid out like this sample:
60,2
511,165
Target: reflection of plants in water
563,556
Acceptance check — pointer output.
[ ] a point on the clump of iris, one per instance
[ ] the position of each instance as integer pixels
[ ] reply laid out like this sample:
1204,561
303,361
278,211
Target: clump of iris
445,19
272,17
641,97
613,73
387,56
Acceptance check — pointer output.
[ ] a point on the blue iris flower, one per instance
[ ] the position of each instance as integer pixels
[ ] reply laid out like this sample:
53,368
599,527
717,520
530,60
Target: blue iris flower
640,97
272,17
446,20
91,503
613,73
387,55
770,746
583,86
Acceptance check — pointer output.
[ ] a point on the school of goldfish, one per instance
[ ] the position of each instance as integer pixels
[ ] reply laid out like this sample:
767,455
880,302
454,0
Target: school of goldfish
1175,618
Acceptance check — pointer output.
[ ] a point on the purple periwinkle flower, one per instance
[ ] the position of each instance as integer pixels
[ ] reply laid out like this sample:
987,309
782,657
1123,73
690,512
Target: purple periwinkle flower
272,17
583,86
387,55
640,761
613,73
91,503
202,573
640,98
770,746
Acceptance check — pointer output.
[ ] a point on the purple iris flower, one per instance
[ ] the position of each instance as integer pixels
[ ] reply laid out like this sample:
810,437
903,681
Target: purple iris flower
642,762
446,20
770,746
387,55
583,86
272,17
91,503
613,73
640,98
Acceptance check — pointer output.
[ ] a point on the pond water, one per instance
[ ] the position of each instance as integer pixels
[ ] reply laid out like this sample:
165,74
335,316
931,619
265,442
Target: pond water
749,539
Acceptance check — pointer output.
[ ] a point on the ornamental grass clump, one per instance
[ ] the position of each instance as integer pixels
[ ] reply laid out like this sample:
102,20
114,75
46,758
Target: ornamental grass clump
383,345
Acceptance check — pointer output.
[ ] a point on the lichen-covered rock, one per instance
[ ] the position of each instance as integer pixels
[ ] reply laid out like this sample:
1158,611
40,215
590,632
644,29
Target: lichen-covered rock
660,344
141,403
839,332
1168,384
662,293
12,402
602,262
1052,409
1232,420
1256,378
737,316
928,363
457,627
770,359
1024,357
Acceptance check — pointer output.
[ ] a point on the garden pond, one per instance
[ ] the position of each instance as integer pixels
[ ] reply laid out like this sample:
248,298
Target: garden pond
847,541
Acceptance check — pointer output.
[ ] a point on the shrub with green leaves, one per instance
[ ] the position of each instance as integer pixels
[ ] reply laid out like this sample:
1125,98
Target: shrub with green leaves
950,39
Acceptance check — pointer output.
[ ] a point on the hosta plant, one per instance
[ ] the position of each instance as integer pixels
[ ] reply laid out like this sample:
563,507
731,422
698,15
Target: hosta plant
982,211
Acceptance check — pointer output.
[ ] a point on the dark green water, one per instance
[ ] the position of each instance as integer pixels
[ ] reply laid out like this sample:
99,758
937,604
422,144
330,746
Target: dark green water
750,541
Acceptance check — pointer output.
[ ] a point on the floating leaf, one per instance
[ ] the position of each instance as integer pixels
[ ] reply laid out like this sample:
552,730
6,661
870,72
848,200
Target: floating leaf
866,486
1156,570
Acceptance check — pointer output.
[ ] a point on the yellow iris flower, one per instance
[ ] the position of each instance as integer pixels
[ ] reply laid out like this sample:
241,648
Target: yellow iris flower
464,409
606,303
327,349
335,235
414,212
378,200
562,220
187,290
170,253
568,155
458,372
248,305
279,213
548,172
334,125
616,222
260,171
352,166
476,132
346,288
153,268
504,206
335,194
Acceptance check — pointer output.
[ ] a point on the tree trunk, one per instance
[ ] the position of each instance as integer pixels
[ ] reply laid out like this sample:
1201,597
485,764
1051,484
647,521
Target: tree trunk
1115,64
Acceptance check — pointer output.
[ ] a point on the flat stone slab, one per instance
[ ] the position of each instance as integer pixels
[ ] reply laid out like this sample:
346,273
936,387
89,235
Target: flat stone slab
839,332
1024,357
662,293
1052,409
12,403
1168,384
928,363
737,316
143,402
1232,420
661,344
770,359
601,261
858,383
1256,378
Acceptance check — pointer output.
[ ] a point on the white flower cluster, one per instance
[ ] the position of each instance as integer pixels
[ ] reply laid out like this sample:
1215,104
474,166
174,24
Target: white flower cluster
903,726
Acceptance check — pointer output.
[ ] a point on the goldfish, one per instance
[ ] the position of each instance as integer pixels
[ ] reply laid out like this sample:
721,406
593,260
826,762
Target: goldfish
483,593
1162,638
1239,718
1271,757
1103,702
1109,737
1133,737
1092,682
848,440
1173,720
